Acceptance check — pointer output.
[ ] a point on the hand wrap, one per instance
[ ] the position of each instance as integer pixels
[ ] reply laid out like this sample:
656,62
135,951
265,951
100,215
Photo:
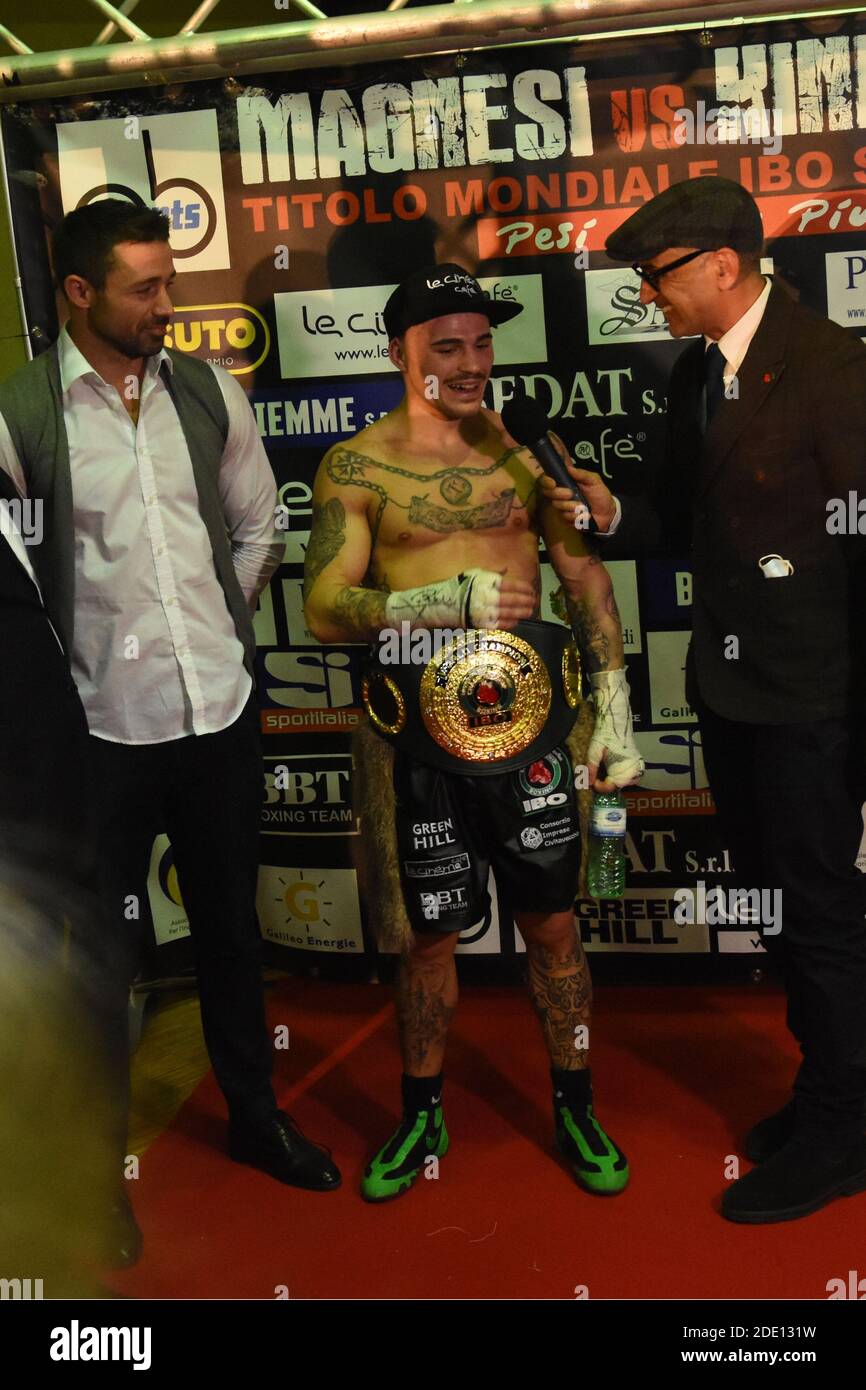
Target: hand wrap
613,729
470,599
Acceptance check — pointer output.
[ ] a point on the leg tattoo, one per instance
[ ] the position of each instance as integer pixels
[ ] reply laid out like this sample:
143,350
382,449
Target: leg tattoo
426,999
561,991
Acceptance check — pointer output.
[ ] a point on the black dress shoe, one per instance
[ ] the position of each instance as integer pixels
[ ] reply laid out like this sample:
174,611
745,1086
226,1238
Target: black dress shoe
799,1179
123,1240
279,1148
770,1135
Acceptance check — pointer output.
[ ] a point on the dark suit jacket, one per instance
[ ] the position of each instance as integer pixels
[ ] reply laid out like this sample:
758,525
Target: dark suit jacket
45,841
759,482
33,670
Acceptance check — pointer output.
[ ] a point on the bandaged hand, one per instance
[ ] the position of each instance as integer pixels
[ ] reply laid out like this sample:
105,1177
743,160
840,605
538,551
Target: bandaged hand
476,598
612,739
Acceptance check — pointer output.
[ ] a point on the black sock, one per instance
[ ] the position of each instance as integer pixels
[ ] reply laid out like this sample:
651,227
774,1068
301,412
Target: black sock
572,1087
421,1092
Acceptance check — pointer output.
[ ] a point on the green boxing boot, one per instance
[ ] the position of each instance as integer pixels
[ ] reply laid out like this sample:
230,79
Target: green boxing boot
597,1163
397,1165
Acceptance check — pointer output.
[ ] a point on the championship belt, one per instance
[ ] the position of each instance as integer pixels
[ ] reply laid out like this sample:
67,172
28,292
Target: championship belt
488,701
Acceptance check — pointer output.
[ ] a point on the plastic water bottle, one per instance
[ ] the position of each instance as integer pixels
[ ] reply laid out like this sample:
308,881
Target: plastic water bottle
606,868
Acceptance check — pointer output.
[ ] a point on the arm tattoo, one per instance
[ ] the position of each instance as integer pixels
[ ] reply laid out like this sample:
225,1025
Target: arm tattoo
348,469
360,611
592,630
592,640
327,538
561,992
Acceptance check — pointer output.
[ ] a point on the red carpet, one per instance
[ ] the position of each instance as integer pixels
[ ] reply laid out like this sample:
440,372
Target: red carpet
680,1073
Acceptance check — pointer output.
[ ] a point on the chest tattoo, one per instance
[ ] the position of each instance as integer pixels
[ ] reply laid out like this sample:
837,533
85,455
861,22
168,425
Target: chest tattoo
455,488
350,469
435,518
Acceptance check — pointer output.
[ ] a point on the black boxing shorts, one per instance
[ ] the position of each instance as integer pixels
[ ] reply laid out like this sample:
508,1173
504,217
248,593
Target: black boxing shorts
452,829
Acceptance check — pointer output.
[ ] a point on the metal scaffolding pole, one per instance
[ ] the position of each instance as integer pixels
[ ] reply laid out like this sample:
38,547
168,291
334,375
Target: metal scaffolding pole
17,45
370,38
196,20
120,19
107,31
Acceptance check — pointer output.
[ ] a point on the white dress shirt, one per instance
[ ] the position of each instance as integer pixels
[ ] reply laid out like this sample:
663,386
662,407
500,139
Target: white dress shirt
733,346
155,654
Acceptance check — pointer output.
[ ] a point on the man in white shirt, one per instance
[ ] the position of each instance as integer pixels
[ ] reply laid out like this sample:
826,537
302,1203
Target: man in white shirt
161,508
767,438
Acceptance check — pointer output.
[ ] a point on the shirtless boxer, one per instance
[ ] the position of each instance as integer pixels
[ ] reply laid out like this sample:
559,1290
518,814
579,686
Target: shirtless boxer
431,518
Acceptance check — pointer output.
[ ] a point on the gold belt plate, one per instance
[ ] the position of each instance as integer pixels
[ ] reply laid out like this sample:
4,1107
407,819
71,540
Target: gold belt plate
485,695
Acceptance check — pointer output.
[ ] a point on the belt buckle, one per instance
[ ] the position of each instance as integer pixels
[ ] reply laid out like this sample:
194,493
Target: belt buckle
485,695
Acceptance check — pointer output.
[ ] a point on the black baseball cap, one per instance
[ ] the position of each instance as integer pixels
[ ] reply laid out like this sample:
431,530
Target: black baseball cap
708,212
439,290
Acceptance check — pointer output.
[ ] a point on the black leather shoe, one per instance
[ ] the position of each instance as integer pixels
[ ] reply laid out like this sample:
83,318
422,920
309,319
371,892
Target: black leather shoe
279,1148
799,1179
123,1240
770,1135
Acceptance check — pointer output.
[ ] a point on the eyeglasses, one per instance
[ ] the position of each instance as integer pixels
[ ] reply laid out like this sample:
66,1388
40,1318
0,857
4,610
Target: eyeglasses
652,277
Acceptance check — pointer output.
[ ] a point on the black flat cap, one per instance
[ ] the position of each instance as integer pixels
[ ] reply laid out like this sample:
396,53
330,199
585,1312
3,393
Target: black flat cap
704,213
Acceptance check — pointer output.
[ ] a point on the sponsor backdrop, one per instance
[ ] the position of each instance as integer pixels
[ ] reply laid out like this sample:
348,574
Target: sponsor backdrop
298,200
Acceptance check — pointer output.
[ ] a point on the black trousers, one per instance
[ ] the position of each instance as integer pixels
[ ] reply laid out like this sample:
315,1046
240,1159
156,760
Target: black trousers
204,792
789,798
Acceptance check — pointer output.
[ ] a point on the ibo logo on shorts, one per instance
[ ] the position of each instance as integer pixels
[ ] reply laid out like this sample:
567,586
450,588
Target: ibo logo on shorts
546,782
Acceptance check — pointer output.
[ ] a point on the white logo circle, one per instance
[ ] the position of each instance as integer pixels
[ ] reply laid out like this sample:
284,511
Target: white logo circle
531,837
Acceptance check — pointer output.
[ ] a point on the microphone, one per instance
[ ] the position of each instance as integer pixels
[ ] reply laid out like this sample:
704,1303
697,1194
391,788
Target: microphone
526,421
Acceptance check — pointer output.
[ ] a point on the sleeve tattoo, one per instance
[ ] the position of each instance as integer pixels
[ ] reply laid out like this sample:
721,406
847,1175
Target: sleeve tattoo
327,537
597,628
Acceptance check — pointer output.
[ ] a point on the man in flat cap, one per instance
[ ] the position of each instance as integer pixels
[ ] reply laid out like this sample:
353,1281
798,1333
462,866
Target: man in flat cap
767,432
427,525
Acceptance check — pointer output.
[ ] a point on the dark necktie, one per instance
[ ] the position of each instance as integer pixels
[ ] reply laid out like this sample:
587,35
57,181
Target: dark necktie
714,373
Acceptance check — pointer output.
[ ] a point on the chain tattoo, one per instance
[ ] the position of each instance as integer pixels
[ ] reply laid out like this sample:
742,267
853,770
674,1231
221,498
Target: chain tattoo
347,468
